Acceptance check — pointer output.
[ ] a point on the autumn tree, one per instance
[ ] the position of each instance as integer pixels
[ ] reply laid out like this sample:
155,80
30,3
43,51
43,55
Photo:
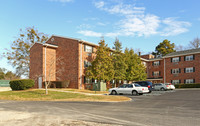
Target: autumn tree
18,55
195,43
164,48
102,66
118,62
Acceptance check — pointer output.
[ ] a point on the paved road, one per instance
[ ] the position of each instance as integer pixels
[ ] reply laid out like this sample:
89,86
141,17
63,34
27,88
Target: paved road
171,108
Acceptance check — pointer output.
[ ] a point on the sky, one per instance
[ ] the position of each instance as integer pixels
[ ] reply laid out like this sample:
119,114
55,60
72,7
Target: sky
138,24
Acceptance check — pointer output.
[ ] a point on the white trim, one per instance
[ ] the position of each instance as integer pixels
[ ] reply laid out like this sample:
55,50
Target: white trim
181,55
81,69
50,45
155,79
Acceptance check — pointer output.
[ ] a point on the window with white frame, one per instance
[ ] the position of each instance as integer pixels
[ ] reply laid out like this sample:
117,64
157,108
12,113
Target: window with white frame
189,81
175,81
175,71
189,58
175,59
156,63
87,80
88,48
189,70
87,64
156,73
144,63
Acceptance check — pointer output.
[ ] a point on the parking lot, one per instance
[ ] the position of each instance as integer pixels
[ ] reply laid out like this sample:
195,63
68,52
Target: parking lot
166,108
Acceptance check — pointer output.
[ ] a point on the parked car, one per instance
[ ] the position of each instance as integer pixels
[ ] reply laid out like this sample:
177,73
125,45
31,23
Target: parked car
133,89
169,86
145,84
160,86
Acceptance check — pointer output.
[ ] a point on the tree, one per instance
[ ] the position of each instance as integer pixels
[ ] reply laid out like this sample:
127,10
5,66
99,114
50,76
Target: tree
18,55
135,70
179,47
195,43
7,75
118,62
102,66
164,48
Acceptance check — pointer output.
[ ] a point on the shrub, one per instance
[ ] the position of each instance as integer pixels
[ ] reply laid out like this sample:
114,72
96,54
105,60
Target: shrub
21,84
187,85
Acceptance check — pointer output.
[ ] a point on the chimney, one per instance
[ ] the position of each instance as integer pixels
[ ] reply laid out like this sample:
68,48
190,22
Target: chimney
139,53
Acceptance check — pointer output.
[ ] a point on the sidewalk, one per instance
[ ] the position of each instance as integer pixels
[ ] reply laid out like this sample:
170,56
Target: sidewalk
5,89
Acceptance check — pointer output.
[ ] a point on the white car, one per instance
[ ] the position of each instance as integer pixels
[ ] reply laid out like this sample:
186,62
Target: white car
133,89
170,86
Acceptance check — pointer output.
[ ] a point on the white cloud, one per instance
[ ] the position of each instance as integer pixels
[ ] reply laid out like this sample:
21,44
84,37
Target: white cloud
101,24
99,4
62,1
90,33
120,8
174,27
143,25
135,22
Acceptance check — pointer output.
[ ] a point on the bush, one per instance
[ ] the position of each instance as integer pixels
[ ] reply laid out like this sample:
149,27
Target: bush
21,84
187,85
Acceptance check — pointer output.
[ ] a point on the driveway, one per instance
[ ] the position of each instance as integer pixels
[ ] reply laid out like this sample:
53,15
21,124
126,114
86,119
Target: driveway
171,108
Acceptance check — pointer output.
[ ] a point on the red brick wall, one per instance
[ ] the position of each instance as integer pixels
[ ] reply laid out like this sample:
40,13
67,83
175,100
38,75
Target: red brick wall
36,65
183,64
85,57
151,68
68,51
50,65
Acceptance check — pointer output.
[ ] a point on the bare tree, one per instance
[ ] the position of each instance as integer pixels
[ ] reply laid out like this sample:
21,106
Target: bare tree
52,71
195,43
179,47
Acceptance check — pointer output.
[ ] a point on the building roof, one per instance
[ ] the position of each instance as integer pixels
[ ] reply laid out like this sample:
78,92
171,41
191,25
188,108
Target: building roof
184,52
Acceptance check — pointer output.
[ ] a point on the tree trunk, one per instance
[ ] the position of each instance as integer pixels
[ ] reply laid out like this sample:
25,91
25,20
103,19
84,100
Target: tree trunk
46,90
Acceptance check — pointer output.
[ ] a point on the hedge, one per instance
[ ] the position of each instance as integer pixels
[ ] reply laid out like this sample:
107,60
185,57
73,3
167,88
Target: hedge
197,85
21,84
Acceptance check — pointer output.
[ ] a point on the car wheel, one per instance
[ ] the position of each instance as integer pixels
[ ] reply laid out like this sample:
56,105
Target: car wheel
134,93
162,89
113,92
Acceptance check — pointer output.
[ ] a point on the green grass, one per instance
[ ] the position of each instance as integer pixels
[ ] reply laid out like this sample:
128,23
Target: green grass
83,91
39,95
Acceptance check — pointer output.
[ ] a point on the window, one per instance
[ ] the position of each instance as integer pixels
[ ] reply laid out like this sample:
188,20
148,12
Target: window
156,63
88,48
156,73
130,86
189,81
175,81
87,80
144,63
189,58
175,59
189,70
137,85
87,64
176,71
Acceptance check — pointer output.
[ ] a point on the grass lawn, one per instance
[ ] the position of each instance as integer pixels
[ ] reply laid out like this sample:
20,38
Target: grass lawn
39,95
84,91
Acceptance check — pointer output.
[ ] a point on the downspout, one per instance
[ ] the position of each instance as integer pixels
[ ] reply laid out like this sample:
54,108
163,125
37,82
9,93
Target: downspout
164,72
80,67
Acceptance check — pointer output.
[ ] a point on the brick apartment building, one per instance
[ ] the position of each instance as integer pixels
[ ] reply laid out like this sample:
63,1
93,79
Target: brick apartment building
176,67
76,55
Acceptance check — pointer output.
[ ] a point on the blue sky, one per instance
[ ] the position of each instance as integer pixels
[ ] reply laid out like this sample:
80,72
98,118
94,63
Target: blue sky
138,24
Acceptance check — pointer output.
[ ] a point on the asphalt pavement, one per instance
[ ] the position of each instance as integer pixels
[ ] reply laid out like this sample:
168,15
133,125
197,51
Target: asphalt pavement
159,108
